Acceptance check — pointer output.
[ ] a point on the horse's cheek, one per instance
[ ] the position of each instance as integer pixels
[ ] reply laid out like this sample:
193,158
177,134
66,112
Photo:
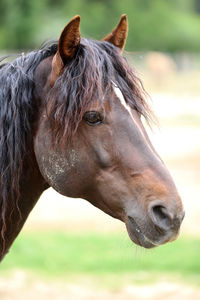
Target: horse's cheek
55,167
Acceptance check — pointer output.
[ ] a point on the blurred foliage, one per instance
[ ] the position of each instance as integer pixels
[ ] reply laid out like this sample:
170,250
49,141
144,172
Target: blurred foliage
164,25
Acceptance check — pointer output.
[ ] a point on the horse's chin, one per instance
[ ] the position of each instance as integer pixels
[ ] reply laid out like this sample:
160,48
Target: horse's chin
136,233
138,237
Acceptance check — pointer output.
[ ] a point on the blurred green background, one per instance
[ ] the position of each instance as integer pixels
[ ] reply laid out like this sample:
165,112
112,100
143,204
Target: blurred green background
164,25
69,249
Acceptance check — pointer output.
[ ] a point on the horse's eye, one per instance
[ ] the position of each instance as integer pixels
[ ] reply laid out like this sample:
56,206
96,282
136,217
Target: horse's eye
93,118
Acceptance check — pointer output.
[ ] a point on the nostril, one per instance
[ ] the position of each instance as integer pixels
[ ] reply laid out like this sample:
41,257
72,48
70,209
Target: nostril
160,217
160,211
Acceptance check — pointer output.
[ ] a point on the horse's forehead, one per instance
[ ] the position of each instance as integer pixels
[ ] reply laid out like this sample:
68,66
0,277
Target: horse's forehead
120,97
131,114
124,106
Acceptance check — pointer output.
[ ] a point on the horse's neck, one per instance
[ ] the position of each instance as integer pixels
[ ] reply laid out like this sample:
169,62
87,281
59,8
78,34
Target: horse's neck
32,185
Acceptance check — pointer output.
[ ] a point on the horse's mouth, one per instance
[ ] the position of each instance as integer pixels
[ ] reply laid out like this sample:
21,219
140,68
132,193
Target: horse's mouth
137,236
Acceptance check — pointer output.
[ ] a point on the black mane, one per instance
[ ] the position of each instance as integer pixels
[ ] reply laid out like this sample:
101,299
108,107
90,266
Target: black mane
16,114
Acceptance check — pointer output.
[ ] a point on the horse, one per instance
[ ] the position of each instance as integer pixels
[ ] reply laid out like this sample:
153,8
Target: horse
71,118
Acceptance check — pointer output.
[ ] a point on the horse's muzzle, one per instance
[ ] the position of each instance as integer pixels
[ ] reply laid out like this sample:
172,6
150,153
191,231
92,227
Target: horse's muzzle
161,227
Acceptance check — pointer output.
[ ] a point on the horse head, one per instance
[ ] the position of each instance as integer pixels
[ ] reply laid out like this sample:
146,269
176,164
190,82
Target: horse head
91,142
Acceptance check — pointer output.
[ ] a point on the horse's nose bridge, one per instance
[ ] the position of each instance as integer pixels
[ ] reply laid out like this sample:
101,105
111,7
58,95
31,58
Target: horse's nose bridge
159,192
141,154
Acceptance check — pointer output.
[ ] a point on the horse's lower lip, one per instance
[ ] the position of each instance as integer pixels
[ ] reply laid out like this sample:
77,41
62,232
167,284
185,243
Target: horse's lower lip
137,236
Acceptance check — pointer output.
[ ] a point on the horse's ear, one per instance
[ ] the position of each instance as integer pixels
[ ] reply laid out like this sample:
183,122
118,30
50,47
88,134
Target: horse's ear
68,44
118,36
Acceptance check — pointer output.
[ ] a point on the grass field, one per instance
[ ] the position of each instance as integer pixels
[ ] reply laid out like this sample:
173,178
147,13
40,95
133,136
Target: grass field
59,254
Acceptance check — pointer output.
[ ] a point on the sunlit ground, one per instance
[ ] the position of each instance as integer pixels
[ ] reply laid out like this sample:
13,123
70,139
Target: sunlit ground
70,250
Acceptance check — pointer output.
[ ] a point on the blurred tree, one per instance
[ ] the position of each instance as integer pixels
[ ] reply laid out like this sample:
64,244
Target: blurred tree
197,6
165,25
19,22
